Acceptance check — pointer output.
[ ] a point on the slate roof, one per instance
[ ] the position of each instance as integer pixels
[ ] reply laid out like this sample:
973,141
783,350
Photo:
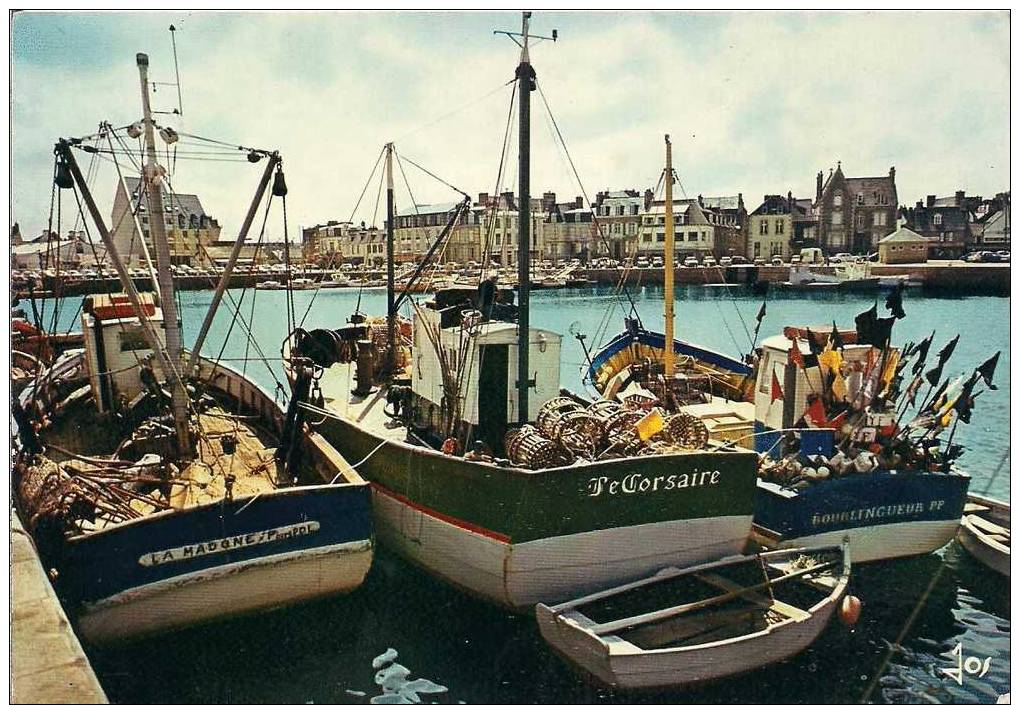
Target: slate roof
186,203
902,234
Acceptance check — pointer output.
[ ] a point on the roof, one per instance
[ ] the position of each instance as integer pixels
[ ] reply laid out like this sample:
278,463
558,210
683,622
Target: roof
186,203
902,234
858,184
721,202
38,248
428,209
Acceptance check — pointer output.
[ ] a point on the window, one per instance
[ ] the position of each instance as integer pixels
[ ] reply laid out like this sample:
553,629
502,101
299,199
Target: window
133,339
764,228
780,226
938,219
878,218
860,199
860,220
837,218
837,199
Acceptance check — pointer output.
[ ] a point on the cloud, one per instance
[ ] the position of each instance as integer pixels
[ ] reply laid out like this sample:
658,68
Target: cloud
755,102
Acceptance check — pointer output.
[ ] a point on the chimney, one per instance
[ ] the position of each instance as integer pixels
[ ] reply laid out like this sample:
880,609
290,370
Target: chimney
701,202
930,202
483,200
818,187
507,198
740,201
649,197
920,205
579,202
789,200
548,201
959,197
892,174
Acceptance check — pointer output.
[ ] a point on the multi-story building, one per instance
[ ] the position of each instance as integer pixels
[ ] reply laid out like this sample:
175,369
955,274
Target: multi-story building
694,230
189,229
943,222
770,228
619,213
989,227
854,213
337,242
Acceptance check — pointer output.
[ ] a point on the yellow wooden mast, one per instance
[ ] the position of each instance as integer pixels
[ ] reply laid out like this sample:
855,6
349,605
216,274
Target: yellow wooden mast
668,264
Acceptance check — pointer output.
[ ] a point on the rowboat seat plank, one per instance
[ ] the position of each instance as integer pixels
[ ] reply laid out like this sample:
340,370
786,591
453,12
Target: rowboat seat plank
684,629
987,526
783,608
975,508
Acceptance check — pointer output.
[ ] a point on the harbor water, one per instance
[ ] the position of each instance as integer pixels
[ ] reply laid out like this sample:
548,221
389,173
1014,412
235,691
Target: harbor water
916,611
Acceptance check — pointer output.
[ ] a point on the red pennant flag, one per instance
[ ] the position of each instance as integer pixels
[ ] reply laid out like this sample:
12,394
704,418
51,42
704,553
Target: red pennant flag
777,390
815,413
837,421
796,358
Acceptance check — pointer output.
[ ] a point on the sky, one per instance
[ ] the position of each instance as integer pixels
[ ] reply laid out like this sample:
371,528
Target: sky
756,103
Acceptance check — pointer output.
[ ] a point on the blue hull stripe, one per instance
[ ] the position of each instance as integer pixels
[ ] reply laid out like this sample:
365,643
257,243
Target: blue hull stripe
857,501
105,563
658,341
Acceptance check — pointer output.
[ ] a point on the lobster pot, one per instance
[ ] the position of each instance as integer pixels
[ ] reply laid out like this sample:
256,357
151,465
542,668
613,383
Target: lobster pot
686,431
620,434
566,422
527,447
603,409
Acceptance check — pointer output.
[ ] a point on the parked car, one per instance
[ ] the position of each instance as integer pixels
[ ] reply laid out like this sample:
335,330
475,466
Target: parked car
759,261
657,262
642,262
795,259
739,259
725,261
691,261
709,261
777,261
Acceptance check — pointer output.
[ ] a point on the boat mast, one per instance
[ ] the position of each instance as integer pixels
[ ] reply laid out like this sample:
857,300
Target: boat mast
668,264
154,184
391,312
526,84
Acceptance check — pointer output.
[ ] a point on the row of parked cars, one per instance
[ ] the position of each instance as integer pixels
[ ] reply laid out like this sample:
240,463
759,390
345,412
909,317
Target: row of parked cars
987,256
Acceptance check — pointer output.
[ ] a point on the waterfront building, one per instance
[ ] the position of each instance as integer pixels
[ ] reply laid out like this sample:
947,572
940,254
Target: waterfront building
48,253
903,246
336,242
569,231
694,230
770,228
944,222
854,213
619,215
189,229
989,226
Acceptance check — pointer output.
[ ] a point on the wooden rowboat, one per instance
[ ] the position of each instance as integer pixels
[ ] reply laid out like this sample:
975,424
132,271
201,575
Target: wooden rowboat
984,532
685,626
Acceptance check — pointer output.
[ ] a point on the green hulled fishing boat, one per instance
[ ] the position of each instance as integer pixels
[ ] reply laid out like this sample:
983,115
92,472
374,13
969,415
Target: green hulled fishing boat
554,496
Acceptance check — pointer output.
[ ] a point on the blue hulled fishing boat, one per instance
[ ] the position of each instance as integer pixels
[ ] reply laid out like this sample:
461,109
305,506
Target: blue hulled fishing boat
163,488
827,412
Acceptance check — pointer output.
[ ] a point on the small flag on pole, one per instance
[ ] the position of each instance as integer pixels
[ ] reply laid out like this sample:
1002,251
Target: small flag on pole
987,370
796,357
777,389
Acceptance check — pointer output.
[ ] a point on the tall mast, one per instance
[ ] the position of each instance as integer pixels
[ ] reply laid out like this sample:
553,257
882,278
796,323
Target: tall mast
669,263
391,313
526,84
157,225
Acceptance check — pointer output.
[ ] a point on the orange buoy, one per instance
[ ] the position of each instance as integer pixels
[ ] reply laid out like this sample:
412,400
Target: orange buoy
849,610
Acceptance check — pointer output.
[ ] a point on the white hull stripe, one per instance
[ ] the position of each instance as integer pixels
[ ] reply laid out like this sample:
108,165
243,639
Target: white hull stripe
885,541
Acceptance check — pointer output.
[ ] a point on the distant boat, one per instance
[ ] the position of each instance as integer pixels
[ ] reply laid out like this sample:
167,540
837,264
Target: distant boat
984,532
270,285
850,275
682,627
302,284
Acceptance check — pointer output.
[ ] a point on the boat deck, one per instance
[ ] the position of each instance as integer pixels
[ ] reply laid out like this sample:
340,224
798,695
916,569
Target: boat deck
203,479
337,384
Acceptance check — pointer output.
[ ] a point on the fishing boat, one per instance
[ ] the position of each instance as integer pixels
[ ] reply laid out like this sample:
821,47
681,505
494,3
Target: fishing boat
270,285
984,532
303,284
516,493
682,627
163,488
336,280
825,409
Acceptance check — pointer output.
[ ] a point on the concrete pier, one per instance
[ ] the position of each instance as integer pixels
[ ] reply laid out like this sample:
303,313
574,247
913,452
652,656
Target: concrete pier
48,664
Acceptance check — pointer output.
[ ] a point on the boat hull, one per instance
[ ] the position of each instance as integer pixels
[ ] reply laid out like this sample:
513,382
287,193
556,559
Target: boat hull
624,666
177,568
517,537
990,553
884,515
